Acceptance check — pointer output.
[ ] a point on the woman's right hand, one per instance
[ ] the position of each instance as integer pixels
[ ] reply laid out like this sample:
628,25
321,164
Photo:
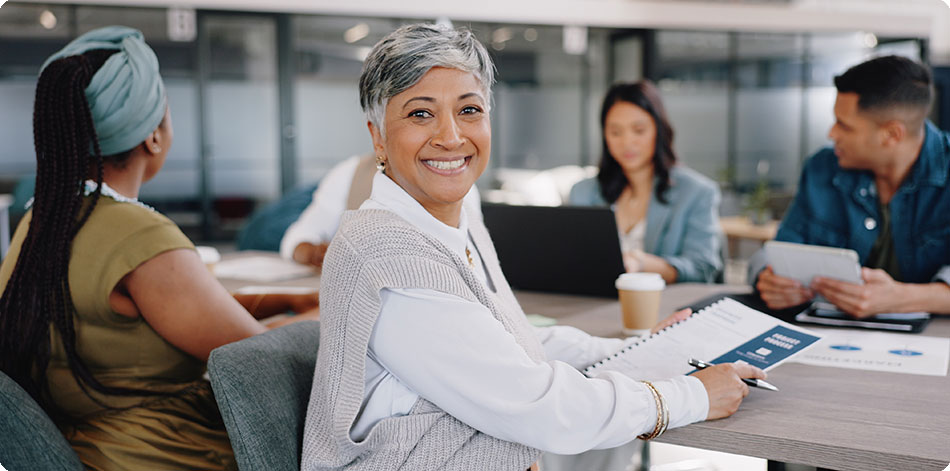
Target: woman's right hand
725,388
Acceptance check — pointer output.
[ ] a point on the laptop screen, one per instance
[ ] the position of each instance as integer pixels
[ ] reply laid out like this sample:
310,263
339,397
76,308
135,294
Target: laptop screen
561,249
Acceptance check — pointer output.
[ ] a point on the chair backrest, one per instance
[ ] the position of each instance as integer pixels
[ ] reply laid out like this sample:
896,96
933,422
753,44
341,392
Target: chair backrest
262,386
28,438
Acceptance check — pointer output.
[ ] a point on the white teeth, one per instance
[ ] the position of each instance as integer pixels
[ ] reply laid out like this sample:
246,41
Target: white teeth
445,164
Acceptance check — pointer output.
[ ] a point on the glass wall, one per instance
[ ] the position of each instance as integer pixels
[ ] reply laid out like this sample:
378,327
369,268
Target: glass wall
693,75
750,107
261,101
330,125
243,142
28,34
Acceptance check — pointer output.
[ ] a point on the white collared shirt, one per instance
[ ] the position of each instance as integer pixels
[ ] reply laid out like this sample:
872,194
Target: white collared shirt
458,356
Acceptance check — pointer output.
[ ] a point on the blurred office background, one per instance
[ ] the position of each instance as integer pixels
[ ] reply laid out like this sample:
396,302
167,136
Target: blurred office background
263,94
264,99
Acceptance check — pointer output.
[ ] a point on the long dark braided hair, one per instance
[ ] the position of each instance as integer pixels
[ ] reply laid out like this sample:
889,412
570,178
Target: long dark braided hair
644,95
37,294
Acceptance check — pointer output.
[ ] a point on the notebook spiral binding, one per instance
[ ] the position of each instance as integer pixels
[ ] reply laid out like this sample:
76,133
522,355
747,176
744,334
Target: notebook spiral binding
590,369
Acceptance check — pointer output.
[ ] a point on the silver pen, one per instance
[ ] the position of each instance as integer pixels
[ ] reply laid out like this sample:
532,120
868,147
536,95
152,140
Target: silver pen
758,383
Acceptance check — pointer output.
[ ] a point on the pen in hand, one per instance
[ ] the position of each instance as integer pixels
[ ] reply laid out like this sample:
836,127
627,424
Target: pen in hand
758,383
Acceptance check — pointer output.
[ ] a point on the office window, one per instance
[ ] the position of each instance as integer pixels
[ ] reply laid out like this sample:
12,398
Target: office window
740,99
28,34
768,104
330,125
693,76
545,106
242,116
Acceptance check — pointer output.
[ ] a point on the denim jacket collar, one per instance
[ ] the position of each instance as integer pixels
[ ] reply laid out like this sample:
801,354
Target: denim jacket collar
928,169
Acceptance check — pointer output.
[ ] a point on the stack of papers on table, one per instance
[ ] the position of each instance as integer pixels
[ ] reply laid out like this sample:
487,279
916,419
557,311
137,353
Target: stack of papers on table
262,269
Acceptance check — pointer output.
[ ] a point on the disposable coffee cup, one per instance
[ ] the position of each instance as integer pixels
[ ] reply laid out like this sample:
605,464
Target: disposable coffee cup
209,256
639,301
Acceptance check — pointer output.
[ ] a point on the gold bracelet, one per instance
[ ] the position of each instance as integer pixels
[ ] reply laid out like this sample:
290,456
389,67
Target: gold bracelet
666,414
662,414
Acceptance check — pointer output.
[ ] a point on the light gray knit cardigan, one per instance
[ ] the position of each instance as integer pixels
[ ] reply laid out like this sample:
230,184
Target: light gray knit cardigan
376,249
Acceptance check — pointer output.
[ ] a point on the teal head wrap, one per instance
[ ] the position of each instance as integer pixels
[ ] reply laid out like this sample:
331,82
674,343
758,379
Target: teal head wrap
126,96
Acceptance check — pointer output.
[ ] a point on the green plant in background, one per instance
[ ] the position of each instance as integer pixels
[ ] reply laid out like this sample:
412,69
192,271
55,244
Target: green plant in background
726,176
758,202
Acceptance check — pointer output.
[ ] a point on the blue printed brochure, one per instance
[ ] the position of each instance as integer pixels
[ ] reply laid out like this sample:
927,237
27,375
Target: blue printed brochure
725,331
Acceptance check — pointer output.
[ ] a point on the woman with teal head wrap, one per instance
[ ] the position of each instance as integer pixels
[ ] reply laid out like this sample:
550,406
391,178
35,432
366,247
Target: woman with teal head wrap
126,96
108,314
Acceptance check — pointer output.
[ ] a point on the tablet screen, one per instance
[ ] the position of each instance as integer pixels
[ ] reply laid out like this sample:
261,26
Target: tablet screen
803,262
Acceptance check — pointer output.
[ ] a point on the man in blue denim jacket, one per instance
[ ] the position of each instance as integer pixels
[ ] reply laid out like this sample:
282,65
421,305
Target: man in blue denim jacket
882,191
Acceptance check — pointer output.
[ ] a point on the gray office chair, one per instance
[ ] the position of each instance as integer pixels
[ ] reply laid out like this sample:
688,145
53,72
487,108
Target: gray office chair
30,440
262,386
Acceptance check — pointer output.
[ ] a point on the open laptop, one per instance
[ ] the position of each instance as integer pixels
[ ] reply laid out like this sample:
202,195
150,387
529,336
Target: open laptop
560,249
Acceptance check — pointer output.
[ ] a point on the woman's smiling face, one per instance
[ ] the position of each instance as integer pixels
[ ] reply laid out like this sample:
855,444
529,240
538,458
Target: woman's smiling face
438,140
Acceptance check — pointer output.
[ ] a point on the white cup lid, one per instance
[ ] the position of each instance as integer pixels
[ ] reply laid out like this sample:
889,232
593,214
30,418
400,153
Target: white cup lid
640,282
208,254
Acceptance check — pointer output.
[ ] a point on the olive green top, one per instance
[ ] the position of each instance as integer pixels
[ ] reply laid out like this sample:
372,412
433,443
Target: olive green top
883,254
182,430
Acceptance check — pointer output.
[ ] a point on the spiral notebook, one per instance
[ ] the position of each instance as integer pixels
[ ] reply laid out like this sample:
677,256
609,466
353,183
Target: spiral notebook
725,331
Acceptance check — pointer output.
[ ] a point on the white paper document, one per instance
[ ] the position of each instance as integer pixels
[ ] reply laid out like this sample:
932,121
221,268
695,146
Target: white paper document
263,269
879,351
265,289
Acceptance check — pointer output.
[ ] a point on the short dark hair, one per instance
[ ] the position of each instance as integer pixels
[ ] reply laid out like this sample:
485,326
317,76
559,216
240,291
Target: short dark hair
644,95
887,82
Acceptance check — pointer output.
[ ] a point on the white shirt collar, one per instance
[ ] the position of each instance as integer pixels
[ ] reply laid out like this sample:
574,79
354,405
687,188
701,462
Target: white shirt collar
389,196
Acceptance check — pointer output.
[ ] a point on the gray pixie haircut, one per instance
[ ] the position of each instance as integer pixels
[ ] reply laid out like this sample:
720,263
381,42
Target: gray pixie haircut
400,60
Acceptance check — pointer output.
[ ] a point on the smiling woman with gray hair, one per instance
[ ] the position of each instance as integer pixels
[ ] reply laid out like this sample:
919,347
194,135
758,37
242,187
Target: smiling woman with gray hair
426,359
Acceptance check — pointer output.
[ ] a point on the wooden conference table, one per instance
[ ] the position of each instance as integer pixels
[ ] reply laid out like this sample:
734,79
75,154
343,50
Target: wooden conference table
827,417
833,418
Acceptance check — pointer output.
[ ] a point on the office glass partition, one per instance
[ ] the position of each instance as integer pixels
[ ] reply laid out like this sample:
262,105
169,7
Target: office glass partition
769,96
241,115
330,125
545,98
28,34
740,99
692,72
828,55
